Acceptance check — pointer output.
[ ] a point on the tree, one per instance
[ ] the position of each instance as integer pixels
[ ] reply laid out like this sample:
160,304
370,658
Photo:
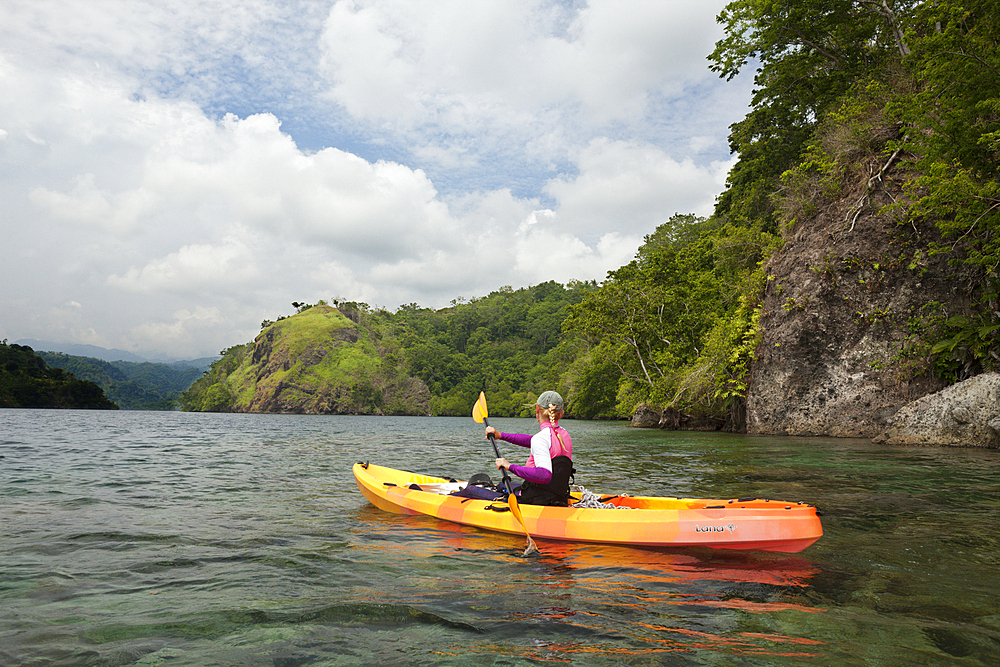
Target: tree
953,124
649,317
808,54
956,124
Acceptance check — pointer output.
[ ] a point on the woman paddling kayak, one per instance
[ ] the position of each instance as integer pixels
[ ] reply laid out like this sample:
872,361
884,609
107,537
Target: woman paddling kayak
547,471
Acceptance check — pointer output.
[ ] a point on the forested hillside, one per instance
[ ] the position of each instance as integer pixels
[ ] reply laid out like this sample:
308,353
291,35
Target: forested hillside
27,382
508,343
131,385
351,358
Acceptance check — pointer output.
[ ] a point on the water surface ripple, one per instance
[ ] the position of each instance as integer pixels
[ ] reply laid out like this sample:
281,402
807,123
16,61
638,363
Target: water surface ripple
147,538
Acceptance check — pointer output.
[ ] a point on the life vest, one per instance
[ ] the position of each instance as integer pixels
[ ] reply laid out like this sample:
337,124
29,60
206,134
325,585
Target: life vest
556,492
560,444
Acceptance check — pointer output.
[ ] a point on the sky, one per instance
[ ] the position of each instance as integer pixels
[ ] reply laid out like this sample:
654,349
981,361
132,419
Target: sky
174,172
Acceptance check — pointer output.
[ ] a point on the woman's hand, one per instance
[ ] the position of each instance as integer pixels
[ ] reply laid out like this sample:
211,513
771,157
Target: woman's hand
490,430
503,464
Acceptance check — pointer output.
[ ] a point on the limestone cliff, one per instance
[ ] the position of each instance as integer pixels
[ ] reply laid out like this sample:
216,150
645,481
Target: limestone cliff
840,297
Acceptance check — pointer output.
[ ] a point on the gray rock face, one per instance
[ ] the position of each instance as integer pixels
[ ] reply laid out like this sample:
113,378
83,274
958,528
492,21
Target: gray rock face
966,414
836,316
646,416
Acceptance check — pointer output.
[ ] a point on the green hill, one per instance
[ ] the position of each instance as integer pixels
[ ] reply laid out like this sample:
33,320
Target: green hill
352,359
26,381
316,362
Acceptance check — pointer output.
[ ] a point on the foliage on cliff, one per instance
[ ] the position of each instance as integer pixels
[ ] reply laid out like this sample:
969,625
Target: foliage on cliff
27,382
130,385
886,111
911,85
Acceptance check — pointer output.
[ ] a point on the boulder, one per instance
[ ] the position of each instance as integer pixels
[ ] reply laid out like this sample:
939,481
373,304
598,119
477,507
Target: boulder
966,414
646,416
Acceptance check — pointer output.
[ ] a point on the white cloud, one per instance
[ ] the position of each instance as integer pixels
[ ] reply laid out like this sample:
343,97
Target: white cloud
185,325
523,66
193,268
629,185
153,157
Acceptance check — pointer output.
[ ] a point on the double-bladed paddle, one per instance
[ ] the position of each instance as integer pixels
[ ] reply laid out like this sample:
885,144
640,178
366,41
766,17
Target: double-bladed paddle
480,414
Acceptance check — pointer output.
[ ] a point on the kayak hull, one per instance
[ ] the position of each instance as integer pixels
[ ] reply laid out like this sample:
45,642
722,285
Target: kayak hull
743,524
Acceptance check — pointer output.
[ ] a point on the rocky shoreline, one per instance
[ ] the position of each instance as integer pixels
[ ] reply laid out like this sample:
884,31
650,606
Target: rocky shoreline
966,414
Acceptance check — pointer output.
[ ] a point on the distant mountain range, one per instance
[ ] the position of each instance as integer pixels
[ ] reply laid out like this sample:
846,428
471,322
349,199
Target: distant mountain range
105,354
130,381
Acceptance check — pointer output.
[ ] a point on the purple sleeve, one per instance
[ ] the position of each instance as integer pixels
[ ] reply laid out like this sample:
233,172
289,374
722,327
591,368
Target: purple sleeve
518,439
537,475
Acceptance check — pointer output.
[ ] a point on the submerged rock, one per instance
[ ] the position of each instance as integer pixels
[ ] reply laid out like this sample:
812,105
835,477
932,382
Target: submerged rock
966,414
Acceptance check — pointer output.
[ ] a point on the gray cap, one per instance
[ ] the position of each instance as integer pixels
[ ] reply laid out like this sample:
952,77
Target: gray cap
551,398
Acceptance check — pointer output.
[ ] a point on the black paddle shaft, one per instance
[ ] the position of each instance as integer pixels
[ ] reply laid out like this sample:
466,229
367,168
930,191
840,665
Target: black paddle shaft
496,450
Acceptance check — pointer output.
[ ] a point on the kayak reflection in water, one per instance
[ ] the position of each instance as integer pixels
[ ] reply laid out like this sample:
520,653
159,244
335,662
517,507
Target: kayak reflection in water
547,471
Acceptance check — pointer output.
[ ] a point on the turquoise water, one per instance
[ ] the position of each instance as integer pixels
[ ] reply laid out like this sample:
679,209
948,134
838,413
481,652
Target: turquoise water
146,538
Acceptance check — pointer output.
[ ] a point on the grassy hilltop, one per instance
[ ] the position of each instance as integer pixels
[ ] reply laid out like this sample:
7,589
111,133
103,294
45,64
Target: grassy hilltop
318,361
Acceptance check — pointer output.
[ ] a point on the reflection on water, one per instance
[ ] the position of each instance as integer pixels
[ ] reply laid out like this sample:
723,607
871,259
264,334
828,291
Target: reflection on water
152,538
646,598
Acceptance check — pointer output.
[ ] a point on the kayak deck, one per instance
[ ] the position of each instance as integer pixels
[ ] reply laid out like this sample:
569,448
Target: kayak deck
741,523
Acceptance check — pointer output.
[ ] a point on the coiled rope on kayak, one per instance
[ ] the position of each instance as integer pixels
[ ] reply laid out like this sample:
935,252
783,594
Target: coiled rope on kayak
590,500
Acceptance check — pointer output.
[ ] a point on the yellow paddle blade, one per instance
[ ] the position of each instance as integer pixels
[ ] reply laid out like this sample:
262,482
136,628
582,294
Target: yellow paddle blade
515,509
479,411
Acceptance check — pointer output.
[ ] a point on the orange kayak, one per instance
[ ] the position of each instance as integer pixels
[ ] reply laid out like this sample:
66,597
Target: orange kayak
744,523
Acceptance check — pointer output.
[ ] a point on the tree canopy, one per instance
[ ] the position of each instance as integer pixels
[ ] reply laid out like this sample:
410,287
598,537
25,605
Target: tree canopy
807,54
